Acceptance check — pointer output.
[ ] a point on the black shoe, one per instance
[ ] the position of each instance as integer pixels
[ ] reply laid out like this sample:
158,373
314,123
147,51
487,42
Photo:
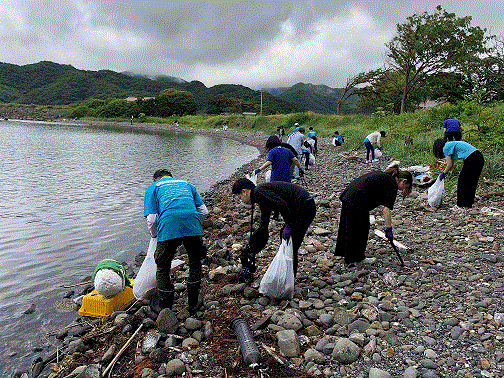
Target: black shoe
162,299
200,305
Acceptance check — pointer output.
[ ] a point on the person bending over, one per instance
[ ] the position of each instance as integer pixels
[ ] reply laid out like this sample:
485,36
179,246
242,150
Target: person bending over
362,195
471,169
369,141
174,212
294,203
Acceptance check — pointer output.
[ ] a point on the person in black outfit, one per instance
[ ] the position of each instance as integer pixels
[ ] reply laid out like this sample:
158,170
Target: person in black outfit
295,204
361,196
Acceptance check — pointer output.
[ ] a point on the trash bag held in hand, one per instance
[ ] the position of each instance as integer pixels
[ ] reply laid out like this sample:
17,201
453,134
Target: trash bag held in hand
146,277
252,177
436,193
311,159
278,281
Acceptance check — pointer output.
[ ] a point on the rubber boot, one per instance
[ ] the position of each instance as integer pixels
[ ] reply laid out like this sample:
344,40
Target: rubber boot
195,302
161,300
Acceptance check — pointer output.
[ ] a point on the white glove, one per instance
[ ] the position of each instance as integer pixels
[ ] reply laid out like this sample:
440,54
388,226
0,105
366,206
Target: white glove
152,225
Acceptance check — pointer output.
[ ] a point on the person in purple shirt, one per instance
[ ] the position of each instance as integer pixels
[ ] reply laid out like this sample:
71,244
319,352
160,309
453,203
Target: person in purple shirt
280,158
471,169
452,129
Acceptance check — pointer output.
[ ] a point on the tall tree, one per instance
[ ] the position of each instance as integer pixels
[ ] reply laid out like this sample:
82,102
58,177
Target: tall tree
429,44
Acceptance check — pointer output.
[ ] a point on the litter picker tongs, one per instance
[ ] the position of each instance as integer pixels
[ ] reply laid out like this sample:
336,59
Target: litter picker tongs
394,243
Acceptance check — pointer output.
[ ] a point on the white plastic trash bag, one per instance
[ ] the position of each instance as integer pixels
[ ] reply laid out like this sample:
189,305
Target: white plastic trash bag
146,277
110,278
267,176
252,177
435,193
108,283
377,154
278,281
311,159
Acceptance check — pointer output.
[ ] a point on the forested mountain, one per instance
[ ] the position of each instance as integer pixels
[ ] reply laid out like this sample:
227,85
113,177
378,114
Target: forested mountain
318,98
48,83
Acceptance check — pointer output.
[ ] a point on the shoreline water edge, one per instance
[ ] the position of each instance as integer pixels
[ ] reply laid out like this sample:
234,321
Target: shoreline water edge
440,315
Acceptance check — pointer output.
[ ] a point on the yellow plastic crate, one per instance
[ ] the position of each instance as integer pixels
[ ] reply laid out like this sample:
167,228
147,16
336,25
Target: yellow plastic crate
96,306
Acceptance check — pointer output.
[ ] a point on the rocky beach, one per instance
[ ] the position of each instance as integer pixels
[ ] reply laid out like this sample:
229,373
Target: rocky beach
439,315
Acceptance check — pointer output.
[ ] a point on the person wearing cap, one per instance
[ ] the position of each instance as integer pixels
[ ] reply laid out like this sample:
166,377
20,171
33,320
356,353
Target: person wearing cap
370,140
296,128
175,212
296,205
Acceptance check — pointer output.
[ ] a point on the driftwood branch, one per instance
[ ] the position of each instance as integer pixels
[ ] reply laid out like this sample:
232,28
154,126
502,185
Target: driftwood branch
112,363
269,350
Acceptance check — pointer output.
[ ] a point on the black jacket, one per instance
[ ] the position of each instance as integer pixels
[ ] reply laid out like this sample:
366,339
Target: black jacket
285,197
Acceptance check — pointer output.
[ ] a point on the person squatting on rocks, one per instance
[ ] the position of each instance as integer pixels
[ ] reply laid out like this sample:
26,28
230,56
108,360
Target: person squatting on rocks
313,135
373,138
362,195
337,139
471,168
174,212
452,129
280,158
294,203
296,140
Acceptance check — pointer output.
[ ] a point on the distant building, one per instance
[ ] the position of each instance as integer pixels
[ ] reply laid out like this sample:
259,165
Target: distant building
429,104
132,98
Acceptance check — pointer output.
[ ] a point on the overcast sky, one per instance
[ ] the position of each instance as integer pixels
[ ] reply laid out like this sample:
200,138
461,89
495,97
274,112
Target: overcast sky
254,43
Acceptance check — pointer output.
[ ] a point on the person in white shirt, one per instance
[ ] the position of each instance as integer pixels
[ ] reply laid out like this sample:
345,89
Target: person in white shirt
296,140
369,141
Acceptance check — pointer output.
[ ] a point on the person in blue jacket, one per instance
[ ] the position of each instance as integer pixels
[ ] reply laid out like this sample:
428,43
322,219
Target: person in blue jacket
174,212
471,169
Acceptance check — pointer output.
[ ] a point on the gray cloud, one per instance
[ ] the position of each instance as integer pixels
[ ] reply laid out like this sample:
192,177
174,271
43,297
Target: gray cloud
254,43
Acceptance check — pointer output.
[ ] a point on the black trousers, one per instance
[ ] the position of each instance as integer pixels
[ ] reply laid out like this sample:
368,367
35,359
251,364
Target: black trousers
165,251
369,149
453,135
307,212
352,233
468,179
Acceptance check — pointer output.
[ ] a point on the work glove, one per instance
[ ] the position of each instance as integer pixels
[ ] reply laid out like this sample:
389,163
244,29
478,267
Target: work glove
379,148
442,175
286,232
256,171
389,234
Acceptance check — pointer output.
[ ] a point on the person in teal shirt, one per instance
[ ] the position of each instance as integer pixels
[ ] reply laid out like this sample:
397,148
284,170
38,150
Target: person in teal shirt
174,212
471,169
313,135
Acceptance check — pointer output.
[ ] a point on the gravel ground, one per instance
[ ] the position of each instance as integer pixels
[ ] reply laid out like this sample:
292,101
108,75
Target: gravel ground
440,315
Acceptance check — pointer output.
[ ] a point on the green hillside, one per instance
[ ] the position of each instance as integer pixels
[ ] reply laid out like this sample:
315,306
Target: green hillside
48,83
317,98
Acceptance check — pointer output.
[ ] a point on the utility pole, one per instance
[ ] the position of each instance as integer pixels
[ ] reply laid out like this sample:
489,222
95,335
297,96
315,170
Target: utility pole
261,102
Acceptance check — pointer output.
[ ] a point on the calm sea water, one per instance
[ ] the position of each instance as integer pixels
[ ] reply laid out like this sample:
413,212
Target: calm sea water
71,196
